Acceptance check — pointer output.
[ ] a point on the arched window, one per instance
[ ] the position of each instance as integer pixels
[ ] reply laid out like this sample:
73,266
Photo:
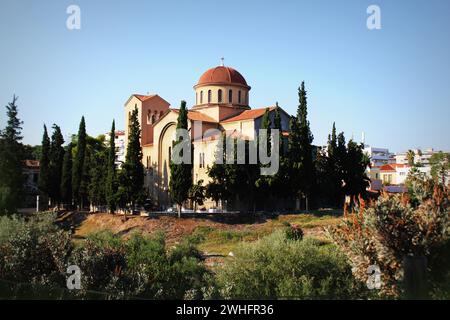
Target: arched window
230,96
219,95
201,97
209,96
239,96
149,117
153,119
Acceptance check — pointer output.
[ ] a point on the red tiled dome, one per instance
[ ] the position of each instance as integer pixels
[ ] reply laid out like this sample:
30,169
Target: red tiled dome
222,75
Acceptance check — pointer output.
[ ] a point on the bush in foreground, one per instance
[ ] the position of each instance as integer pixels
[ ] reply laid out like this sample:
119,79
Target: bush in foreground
276,267
35,253
140,267
395,228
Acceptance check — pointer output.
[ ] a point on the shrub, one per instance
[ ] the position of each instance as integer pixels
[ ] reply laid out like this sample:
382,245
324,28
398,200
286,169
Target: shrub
37,252
101,259
139,267
395,226
33,251
294,232
276,267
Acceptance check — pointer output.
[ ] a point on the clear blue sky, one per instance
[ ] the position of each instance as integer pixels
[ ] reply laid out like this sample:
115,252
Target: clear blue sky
392,83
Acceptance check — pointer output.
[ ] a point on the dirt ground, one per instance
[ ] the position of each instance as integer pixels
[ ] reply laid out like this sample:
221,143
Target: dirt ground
175,229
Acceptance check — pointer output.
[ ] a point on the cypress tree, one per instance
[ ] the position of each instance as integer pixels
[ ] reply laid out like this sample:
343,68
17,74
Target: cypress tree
355,178
111,182
11,149
78,170
44,165
306,155
301,166
332,143
279,180
277,125
56,164
97,184
132,173
266,124
180,174
334,172
263,183
66,178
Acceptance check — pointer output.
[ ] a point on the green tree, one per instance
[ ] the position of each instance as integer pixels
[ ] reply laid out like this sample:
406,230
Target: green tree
79,166
11,149
300,153
263,183
44,166
56,156
66,176
278,181
355,177
131,178
329,171
410,155
219,186
440,166
197,194
180,174
97,181
277,125
111,182
336,157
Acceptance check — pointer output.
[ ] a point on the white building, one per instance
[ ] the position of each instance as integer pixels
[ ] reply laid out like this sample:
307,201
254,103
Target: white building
396,174
378,156
119,141
420,157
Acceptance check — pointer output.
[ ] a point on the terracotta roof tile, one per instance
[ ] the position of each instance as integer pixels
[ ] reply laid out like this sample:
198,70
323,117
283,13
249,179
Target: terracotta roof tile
197,116
144,97
249,114
387,167
222,74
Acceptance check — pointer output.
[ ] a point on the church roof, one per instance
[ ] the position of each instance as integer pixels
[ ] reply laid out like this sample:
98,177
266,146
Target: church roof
222,75
249,114
196,116
144,97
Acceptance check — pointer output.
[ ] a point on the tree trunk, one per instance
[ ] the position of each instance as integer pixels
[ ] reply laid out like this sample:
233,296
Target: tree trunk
179,210
415,283
306,204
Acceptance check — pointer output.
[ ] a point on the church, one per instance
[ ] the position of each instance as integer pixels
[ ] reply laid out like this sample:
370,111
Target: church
222,98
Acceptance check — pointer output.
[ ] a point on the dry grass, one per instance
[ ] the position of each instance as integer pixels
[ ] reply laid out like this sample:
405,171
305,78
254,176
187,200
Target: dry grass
213,235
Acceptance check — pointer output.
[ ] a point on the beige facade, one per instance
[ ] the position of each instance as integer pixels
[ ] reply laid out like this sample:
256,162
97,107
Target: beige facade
213,114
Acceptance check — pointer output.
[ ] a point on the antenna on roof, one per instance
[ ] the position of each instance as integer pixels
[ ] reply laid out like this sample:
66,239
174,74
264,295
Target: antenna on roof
222,63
